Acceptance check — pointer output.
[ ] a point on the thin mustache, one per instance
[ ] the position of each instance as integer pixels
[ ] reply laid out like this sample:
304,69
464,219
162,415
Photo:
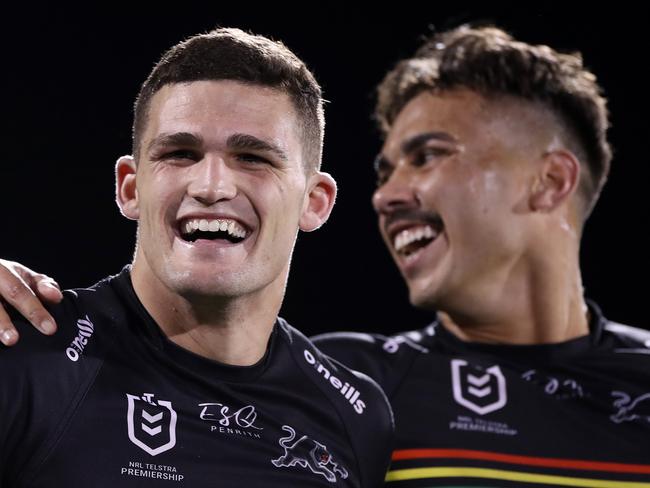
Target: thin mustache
410,215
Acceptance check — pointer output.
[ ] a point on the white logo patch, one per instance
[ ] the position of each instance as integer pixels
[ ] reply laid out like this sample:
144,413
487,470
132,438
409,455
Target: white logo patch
236,422
351,394
151,423
480,390
85,330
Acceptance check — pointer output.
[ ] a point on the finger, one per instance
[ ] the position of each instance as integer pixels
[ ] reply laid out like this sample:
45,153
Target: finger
39,283
16,292
48,290
8,333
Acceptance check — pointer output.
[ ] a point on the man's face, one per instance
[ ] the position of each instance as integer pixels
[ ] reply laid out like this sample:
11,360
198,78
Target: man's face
453,180
219,189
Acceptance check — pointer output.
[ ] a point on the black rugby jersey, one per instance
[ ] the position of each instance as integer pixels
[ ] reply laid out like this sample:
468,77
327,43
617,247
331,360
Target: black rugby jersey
110,401
478,415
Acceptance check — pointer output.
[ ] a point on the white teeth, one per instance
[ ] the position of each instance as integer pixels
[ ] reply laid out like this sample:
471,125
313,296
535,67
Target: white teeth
224,225
411,235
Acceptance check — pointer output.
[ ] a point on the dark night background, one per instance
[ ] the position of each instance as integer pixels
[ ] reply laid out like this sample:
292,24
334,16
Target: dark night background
70,78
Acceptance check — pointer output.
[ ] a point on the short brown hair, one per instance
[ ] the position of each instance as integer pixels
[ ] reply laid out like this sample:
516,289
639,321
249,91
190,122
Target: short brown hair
232,54
490,62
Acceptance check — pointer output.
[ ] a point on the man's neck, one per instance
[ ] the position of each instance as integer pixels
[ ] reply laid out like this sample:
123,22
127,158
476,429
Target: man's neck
542,306
233,331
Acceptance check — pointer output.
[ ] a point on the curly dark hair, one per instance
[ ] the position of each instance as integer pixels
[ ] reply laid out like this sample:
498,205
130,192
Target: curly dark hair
490,62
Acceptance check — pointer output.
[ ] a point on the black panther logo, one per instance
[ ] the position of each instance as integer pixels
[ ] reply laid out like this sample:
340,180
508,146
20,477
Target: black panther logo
308,453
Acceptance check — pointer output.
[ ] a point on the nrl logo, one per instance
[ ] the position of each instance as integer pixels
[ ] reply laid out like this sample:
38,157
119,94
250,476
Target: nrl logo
151,423
310,454
480,390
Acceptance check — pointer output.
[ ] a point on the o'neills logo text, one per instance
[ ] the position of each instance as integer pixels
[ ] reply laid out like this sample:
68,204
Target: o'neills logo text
85,331
348,391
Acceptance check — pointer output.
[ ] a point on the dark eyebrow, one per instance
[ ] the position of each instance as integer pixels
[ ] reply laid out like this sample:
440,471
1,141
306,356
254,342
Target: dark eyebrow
247,142
418,140
238,142
185,139
382,162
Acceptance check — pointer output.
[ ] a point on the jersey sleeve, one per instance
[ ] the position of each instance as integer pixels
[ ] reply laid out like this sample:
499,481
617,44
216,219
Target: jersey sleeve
361,404
373,438
43,378
385,359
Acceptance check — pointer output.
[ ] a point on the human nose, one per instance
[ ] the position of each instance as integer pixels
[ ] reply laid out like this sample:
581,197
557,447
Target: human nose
212,180
397,192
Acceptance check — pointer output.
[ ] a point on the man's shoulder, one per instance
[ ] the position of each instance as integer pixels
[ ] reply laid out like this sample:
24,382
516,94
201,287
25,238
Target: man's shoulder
349,346
386,359
351,391
400,344
627,339
45,376
84,317
358,400
325,369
